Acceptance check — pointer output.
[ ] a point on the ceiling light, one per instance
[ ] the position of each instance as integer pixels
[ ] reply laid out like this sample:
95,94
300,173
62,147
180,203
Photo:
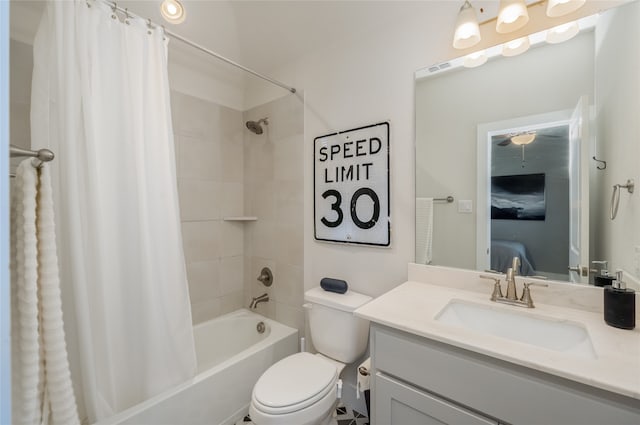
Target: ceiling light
475,59
467,33
523,139
516,47
557,8
512,16
173,11
562,32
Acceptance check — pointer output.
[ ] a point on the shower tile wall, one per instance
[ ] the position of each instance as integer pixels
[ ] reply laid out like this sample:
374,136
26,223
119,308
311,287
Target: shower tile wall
209,157
273,177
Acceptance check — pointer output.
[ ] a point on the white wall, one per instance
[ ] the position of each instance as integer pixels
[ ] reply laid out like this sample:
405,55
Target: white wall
359,81
364,80
618,99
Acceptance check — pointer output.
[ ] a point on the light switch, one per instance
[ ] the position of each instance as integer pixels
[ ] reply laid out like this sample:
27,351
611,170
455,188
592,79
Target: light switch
465,206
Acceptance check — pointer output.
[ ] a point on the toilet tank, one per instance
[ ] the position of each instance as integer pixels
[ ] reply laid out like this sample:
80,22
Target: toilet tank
335,331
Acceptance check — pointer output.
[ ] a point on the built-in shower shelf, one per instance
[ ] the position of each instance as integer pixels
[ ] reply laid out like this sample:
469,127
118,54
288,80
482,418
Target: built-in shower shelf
240,218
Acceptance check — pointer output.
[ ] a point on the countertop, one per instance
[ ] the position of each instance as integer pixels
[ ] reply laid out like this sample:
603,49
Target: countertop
413,306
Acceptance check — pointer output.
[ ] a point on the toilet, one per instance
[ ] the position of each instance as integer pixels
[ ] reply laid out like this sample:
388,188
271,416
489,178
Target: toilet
303,389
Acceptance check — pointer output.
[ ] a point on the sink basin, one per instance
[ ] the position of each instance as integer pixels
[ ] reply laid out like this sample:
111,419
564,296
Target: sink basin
557,335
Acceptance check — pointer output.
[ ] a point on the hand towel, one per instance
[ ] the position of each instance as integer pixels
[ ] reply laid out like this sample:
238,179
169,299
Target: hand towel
424,230
42,390
26,356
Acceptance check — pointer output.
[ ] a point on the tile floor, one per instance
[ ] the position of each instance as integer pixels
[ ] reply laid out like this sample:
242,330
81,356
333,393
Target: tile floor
343,415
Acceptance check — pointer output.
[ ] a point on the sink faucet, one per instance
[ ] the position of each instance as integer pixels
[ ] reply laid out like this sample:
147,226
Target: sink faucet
512,272
257,300
512,294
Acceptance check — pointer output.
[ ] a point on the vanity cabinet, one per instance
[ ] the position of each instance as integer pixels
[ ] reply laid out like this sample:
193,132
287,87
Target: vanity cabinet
400,403
421,381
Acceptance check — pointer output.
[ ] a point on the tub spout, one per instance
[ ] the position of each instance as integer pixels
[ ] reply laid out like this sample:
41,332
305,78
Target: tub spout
257,300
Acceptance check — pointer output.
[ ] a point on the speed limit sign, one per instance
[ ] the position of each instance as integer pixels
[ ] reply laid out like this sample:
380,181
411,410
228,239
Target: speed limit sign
351,186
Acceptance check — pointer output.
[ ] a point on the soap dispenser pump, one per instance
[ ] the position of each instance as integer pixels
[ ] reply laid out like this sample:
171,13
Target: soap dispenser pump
619,304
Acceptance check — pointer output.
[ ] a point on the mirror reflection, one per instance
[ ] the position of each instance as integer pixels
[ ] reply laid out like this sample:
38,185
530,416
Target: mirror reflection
513,142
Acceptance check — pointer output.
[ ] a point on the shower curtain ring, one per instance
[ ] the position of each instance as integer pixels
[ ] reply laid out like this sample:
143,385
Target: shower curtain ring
114,8
149,26
126,16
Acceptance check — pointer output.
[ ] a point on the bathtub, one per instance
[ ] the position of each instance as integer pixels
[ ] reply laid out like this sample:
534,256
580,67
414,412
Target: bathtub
231,357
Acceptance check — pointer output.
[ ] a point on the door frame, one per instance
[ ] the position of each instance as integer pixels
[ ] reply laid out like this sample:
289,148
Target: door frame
483,192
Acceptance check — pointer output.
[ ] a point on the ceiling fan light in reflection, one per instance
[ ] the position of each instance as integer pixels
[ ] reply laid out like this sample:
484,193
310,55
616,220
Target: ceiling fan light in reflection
467,32
512,16
475,59
516,47
562,32
557,8
523,139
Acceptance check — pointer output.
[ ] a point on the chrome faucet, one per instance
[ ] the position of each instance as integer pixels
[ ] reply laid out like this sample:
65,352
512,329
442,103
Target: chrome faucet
257,300
512,294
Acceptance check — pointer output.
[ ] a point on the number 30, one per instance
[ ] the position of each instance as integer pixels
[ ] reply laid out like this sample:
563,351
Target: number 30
354,214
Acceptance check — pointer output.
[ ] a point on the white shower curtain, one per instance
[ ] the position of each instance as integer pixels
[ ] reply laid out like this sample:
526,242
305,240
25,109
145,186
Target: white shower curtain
100,101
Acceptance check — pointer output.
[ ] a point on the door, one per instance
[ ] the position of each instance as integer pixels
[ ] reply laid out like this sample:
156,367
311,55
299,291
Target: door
579,138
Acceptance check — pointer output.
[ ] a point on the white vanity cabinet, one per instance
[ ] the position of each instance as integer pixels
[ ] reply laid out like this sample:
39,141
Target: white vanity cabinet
399,403
416,380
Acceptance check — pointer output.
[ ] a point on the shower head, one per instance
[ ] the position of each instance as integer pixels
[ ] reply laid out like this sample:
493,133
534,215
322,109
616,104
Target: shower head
255,127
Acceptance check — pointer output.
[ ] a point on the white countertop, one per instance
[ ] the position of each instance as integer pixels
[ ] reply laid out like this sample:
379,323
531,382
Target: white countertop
413,306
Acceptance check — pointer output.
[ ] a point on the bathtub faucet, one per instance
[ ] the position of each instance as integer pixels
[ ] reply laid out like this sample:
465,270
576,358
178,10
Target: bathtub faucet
257,300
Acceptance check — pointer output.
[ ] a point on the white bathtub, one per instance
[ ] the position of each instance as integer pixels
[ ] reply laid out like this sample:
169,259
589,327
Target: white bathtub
231,357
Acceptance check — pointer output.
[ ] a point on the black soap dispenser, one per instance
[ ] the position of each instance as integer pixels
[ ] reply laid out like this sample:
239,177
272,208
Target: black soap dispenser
619,304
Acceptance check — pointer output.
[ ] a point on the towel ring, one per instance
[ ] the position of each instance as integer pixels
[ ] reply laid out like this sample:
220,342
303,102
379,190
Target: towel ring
615,197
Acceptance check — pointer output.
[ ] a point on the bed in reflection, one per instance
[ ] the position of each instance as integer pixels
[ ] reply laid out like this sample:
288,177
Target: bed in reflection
502,253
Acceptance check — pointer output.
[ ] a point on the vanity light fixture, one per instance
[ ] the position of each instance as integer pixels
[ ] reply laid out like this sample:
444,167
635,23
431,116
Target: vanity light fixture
516,47
512,16
467,33
557,8
173,11
562,32
475,59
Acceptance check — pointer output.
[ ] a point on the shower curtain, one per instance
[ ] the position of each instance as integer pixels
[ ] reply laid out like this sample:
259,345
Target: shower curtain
100,101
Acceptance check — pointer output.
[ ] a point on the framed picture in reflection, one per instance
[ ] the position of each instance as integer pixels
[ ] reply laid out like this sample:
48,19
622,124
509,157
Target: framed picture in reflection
518,197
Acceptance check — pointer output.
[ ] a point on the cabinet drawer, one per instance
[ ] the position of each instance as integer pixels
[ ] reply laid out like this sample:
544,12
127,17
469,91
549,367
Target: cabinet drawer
397,403
499,389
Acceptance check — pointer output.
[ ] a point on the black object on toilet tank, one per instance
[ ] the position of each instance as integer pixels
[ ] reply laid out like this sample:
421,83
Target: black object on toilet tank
334,285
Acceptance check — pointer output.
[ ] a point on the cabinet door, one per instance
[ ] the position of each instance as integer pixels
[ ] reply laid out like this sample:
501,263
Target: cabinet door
396,403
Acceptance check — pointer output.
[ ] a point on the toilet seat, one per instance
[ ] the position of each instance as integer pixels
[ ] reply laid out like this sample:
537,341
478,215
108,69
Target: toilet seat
294,383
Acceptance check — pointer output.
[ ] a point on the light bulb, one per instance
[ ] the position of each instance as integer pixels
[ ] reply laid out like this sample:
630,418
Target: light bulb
467,32
557,8
475,59
516,47
173,11
562,32
512,16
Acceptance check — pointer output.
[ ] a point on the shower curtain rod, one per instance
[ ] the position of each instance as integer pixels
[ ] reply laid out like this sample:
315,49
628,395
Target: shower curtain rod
114,6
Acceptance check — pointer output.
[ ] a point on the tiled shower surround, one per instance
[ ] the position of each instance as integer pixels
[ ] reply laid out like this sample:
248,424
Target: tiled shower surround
224,171
273,191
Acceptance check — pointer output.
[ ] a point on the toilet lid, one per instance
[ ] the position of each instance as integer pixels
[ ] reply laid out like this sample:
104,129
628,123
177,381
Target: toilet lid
294,383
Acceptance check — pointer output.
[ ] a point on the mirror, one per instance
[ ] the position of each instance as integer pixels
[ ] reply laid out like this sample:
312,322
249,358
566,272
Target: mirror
545,200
